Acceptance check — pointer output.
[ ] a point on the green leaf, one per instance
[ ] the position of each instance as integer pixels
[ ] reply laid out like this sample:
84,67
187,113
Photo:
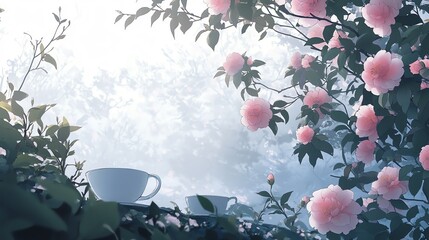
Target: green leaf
119,17
9,135
24,161
264,194
64,193
49,59
415,183
285,115
375,214
19,95
236,79
252,92
313,41
409,20
245,10
213,38
36,113
339,116
63,133
174,23
22,204
141,11
184,3
400,232
98,219
206,204
285,197
328,32
154,17
426,188
399,204
404,97
273,126
257,63
412,212
129,20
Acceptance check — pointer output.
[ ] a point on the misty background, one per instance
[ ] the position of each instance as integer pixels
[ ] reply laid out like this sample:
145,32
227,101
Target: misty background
147,101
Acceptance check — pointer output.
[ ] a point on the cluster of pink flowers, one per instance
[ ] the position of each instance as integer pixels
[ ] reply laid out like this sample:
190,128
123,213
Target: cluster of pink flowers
218,6
382,72
388,185
366,123
256,113
424,157
298,61
365,151
417,66
333,209
304,134
233,64
380,14
317,96
307,8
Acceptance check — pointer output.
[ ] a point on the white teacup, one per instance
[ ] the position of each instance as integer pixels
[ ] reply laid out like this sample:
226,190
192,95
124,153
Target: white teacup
121,184
219,202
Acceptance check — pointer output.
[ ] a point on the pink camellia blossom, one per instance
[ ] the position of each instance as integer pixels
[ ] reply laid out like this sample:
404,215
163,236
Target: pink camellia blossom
380,14
270,179
249,61
307,60
317,96
388,185
256,113
304,134
365,151
233,64
366,123
308,8
334,42
416,66
385,205
424,157
317,31
218,6
366,202
382,72
295,61
333,209
424,85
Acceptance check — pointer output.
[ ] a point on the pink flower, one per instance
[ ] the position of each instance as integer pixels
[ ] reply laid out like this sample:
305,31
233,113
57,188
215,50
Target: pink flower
249,61
366,201
304,134
333,209
365,151
335,40
233,64
388,185
308,8
307,60
317,96
295,61
2,152
424,85
218,6
380,14
256,113
172,220
270,179
366,123
424,157
317,31
385,205
416,66
382,72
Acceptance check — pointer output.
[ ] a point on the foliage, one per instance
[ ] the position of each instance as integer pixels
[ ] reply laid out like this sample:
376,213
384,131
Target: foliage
401,110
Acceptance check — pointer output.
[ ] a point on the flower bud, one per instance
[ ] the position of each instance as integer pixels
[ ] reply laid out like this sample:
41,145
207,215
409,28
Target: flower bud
270,179
305,200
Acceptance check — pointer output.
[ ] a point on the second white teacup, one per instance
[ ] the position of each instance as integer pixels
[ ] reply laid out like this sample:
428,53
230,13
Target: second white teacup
124,185
219,202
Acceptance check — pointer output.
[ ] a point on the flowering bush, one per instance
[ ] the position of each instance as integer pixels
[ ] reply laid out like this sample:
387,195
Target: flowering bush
365,55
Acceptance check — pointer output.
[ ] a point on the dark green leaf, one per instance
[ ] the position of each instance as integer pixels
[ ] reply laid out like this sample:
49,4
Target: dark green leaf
415,183
245,10
49,59
399,204
285,197
400,232
273,126
99,219
426,188
328,32
206,204
409,20
257,63
22,204
264,194
339,116
213,38
63,193
403,96
19,95
313,41
24,161
412,212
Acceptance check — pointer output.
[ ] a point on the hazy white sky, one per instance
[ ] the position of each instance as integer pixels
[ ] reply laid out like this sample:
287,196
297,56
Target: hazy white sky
149,102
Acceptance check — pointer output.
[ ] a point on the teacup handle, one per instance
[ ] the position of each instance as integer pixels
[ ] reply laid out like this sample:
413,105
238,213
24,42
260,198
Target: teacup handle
233,198
155,191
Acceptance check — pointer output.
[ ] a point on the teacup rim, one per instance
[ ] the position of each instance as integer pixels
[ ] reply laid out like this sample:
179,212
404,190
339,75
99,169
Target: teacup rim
111,168
207,195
